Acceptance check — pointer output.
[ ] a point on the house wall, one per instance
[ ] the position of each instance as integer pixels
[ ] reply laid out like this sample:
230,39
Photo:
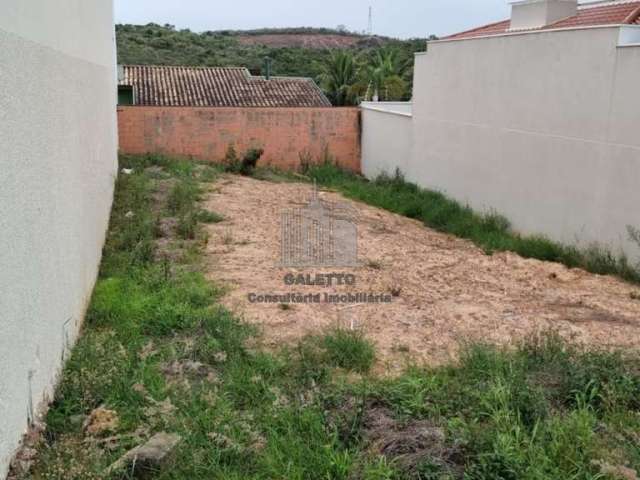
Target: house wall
58,147
387,138
542,127
206,133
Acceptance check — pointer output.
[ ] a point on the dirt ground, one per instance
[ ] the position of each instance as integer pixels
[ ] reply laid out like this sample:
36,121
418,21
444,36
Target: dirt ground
449,291
301,40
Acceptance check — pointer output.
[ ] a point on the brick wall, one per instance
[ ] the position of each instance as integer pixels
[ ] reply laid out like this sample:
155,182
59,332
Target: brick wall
205,133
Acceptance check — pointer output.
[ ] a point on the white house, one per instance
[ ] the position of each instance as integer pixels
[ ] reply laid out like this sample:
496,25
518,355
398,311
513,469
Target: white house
537,117
58,162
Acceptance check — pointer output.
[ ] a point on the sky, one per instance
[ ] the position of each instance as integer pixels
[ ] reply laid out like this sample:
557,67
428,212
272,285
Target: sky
395,18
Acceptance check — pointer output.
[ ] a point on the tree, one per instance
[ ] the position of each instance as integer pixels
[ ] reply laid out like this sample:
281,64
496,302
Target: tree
384,76
338,78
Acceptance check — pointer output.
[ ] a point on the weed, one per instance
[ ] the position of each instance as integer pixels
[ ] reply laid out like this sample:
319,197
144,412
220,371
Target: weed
305,161
374,264
182,197
208,174
247,165
187,225
349,350
231,161
490,231
206,216
227,238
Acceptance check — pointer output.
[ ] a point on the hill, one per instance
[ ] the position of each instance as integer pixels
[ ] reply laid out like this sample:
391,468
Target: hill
295,51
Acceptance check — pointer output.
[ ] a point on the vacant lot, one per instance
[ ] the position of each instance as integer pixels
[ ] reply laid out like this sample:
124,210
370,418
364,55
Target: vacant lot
166,383
449,292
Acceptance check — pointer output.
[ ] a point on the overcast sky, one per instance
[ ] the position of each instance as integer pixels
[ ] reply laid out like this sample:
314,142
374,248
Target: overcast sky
396,18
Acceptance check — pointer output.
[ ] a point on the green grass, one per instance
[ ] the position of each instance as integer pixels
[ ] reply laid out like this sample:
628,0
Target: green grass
490,231
349,350
205,216
542,410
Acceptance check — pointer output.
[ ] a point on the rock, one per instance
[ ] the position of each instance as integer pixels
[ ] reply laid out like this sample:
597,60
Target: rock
127,171
148,458
101,420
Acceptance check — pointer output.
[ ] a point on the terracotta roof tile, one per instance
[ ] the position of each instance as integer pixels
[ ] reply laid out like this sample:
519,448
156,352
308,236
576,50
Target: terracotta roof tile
218,87
606,13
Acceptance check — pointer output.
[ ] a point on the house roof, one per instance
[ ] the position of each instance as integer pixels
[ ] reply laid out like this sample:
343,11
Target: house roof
621,12
217,87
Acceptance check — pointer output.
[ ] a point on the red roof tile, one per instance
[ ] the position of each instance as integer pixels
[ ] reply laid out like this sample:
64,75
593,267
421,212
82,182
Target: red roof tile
218,87
606,13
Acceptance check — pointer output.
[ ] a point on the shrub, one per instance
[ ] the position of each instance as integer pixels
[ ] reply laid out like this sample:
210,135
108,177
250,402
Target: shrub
250,160
231,161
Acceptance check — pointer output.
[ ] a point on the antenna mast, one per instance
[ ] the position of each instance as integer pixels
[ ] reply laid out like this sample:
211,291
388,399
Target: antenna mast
370,29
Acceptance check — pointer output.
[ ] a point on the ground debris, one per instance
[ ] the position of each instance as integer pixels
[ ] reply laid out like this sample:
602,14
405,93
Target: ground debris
27,455
411,445
183,371
161,409
148,458
101,420
618,472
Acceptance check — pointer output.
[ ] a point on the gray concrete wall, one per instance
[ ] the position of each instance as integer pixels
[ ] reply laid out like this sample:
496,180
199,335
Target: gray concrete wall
58,163
542,127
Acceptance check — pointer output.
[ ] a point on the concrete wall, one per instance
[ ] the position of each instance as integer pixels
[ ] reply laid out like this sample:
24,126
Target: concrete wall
542,127
387,138
58,162
206,133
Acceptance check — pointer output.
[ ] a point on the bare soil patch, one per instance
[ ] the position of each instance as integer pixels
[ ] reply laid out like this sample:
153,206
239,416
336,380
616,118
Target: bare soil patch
301,40
449,292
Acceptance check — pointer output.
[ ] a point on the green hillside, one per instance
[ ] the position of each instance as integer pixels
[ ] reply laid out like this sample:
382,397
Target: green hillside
295,52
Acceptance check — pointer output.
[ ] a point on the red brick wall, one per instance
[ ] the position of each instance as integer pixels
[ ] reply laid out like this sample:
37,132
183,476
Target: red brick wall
205,133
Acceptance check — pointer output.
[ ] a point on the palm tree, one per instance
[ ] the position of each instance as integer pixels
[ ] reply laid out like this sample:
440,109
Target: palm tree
384,76
338,78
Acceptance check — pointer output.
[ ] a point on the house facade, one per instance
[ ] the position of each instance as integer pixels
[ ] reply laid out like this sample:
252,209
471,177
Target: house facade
58,163
536,117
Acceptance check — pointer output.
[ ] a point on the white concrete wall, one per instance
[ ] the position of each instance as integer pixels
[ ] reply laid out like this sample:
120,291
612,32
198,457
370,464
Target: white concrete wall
58,163
386,138
542,127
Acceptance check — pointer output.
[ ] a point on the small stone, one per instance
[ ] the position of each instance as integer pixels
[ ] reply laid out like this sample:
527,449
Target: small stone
148,458
129,214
